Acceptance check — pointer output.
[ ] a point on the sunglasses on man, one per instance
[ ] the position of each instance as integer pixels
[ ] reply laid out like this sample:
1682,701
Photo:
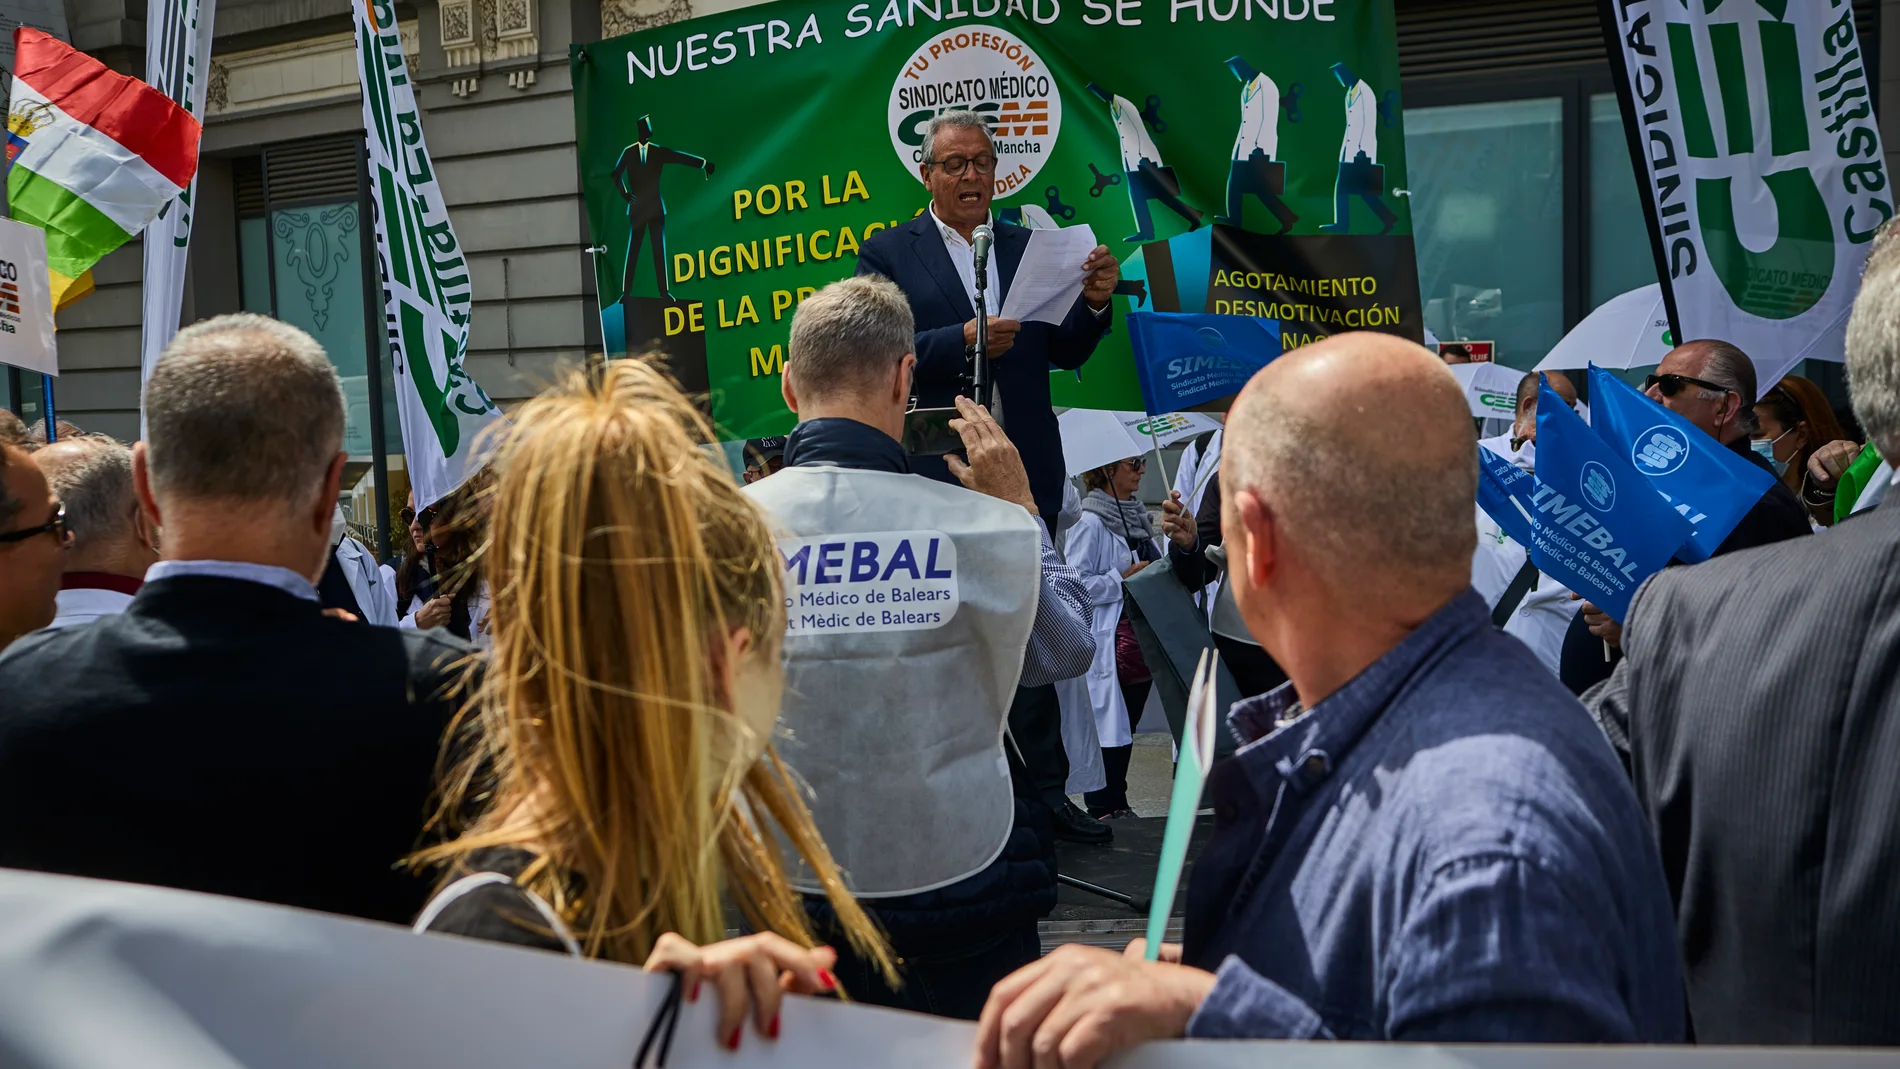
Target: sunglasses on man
55,526
1671,385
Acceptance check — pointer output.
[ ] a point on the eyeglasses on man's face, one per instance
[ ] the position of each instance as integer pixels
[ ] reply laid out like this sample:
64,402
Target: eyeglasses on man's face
954,166
55,526
1671,385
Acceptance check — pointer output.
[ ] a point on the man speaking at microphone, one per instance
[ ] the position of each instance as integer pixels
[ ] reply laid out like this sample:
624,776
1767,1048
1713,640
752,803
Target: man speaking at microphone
933,260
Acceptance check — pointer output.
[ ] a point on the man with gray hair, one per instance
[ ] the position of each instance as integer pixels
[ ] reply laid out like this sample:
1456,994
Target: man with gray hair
932,258
917,608
1760,711
113,542
1422,837
222,734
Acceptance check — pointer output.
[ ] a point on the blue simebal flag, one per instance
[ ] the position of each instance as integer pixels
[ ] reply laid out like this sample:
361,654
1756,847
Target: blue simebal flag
1184,359
1704,480
1586,517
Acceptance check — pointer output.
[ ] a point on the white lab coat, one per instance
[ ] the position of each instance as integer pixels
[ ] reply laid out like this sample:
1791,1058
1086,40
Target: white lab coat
478,636
373,585
1197,472
1100,556
1259,118
1133,134
1188,479
1362,125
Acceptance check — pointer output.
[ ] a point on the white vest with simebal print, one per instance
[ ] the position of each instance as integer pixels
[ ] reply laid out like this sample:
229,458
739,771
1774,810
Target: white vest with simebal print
908,605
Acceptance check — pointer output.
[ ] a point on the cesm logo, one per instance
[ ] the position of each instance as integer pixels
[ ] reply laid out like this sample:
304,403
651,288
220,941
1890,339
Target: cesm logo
993,73
1660,450
1599,488
1160,426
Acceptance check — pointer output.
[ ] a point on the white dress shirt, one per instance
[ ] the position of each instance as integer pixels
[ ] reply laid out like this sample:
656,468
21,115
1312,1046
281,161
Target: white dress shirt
1136,144
270,575
83,605
1259,118
963,258
1362,125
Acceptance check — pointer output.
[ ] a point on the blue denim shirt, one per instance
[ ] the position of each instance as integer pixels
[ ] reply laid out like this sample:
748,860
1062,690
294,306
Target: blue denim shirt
1445,849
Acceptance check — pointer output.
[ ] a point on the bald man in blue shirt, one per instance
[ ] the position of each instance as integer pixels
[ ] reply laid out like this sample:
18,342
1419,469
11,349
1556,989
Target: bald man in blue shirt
1423,837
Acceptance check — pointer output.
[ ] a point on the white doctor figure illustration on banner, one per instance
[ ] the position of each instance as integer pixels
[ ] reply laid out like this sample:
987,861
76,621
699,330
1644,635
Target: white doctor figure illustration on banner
1148,178
1359,172
1255,170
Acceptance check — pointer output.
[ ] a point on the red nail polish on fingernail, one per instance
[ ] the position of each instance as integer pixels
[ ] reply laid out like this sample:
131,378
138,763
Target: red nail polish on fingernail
693,995
829,981
771,1030
733,1042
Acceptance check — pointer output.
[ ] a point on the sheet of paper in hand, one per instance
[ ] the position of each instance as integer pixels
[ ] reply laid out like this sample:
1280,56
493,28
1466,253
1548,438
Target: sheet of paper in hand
1049,278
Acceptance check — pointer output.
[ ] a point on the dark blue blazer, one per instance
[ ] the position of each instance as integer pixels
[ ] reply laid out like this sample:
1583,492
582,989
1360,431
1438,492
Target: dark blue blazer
912,255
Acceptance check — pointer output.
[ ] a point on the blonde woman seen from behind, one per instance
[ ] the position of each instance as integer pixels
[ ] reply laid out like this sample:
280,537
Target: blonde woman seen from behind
616,758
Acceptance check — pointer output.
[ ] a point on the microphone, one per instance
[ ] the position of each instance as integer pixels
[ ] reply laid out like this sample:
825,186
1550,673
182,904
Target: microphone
981,239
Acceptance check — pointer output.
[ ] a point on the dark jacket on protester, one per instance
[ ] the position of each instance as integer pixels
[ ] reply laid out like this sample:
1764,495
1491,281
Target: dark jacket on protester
1759,708
1254,670
912,255
224,736
1021,883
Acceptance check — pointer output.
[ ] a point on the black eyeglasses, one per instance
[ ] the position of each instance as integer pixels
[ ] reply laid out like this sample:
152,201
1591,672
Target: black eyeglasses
1671,385
956,165
408,515
55,526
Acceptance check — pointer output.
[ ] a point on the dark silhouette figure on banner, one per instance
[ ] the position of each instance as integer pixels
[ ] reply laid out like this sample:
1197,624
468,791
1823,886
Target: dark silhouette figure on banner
1359,172
1148,178
637,176
1254,171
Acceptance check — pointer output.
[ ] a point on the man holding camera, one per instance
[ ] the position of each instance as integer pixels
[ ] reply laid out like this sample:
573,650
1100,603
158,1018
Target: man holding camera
914,611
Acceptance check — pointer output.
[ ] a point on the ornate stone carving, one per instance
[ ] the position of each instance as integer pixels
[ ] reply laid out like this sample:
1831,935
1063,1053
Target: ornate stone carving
487,9
296,73
489,31
459,20
217,89
626,16
514,18
457,28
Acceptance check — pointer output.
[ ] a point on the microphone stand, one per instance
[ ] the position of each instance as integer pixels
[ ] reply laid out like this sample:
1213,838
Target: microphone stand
980,370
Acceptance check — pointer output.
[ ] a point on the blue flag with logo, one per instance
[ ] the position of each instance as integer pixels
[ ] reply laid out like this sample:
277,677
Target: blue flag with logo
1704,480
1586,517
1184,359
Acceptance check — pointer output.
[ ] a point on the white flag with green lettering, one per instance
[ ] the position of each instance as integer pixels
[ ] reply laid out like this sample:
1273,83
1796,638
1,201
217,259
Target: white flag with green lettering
1760,164
426,291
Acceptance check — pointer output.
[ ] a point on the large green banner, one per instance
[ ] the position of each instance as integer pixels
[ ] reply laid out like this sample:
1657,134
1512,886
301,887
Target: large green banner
1240,157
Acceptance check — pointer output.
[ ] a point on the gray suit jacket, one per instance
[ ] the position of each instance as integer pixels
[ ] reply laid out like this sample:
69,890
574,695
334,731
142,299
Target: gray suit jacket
1760,695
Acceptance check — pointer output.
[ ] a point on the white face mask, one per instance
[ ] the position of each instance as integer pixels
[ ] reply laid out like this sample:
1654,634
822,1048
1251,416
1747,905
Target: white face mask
1765,449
